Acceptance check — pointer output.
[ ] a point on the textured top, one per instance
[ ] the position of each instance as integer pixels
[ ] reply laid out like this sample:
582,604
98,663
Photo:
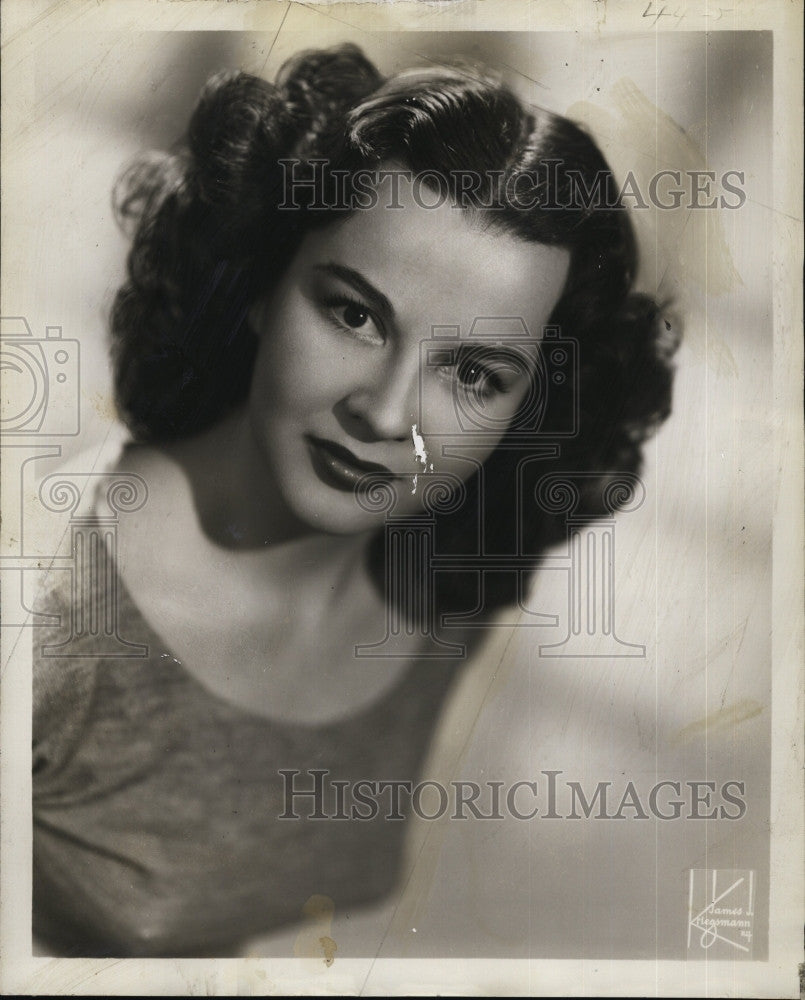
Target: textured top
157,803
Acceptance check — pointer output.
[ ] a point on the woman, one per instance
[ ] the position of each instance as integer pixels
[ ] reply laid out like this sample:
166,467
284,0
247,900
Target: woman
292,261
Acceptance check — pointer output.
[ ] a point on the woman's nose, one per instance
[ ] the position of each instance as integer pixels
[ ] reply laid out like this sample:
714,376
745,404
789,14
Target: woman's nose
384,407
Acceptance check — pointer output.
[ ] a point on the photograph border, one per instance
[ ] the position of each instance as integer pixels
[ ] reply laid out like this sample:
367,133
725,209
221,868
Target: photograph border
24,26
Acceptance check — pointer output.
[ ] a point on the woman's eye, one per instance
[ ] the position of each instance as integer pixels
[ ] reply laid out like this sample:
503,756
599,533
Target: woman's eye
484,379
481,381
355,318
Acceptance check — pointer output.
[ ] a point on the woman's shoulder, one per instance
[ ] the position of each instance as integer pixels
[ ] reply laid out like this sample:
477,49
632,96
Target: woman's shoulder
62,686
68,491
64,677
98,457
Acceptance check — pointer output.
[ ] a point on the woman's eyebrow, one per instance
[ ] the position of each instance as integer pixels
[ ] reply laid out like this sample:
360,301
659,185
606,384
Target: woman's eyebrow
361,285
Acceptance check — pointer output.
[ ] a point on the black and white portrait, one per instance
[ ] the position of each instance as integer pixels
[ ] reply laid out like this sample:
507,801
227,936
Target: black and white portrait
400,492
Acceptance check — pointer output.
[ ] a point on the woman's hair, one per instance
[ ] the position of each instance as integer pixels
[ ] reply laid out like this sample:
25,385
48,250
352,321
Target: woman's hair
209,237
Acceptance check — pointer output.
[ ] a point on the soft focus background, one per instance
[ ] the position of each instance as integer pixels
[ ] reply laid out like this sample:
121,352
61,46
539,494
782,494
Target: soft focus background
692,566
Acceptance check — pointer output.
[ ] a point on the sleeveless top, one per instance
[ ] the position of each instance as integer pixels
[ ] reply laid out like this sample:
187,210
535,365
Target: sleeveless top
157,805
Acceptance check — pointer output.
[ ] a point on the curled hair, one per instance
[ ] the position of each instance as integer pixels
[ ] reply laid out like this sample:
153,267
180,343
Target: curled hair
209,237
206,232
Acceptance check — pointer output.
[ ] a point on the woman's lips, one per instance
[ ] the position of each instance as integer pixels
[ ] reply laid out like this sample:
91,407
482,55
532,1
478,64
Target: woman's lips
338,467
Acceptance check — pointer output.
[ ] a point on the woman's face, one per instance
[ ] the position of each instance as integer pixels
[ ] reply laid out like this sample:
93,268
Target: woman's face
345,381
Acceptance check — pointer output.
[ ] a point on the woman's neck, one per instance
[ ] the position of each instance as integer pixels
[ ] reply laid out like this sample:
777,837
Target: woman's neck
237,501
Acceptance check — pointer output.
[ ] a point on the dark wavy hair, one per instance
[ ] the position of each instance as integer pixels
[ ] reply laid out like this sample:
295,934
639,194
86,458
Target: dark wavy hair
209,238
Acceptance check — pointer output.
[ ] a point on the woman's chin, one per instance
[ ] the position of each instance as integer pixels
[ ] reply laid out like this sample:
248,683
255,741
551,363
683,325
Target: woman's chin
339,515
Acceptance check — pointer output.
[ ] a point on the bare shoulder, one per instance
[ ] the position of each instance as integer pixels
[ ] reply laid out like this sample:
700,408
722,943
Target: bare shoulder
70,490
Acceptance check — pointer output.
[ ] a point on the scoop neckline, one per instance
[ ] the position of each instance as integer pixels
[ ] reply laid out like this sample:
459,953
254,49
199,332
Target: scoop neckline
159,652
419,666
